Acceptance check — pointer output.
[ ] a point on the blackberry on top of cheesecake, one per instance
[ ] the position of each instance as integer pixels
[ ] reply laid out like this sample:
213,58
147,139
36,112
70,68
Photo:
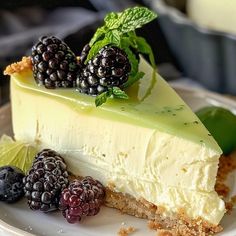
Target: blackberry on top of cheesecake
54,64
139,139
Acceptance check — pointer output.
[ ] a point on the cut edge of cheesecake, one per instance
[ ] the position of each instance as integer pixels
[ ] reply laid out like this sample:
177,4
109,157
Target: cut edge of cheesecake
178,223
157,213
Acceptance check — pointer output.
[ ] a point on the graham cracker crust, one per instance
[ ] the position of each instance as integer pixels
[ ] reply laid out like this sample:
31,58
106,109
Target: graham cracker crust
227,165
126,231
179,224
17,67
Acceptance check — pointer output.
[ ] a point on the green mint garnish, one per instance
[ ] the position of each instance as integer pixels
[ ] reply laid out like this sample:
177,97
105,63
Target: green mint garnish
139,75
119,30
112,92
130,19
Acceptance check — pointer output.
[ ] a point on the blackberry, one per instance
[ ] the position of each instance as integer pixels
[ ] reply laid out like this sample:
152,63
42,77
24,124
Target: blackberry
11,184
45,181
54,64
82,198
109,68
84,53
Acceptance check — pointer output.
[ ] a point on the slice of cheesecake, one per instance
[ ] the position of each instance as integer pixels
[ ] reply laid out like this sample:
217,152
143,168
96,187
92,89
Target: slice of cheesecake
154,155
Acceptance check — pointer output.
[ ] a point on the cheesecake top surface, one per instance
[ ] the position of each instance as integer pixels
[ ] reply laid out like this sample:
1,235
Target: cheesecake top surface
152,104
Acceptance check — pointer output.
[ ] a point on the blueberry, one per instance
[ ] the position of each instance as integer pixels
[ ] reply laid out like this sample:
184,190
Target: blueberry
11,184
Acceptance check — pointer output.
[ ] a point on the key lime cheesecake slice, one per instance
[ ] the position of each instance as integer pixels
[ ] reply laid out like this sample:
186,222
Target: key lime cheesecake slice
155,157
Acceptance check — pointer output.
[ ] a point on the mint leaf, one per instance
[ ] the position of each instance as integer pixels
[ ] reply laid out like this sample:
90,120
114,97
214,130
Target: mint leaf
118,93
115,92
144,47
114,37
102,98
133,79
96,47
133,61
134,74
130,19
125,45
111,20
98,34
133,18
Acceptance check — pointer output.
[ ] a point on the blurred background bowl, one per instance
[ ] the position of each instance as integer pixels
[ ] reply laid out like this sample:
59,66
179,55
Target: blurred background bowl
204,54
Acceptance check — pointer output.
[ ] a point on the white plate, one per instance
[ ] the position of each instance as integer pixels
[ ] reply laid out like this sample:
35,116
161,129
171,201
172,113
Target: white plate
17,219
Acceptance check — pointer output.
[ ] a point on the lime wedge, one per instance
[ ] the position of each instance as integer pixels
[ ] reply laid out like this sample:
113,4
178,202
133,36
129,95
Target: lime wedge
221,123
16,153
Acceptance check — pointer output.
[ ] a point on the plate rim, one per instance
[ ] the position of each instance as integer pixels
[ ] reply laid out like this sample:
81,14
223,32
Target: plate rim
13,230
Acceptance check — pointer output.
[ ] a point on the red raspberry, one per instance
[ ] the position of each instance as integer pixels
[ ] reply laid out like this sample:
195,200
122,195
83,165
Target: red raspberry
82,198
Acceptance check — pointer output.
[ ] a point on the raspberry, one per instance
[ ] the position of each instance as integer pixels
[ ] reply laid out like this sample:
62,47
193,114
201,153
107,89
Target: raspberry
54,64
82,198
11,185
45,181
109,68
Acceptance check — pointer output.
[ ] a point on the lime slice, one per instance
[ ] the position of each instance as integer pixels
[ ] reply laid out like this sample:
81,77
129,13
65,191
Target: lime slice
16,153
221,123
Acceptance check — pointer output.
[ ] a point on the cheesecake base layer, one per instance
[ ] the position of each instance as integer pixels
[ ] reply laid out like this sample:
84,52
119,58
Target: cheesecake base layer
178,223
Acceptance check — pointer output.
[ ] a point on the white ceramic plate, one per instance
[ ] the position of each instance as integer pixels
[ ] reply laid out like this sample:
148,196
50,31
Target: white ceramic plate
17,219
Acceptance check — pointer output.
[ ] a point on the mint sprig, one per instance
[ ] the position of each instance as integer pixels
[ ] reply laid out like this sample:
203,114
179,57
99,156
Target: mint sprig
115,92
121,23
134,18
98,34
119,30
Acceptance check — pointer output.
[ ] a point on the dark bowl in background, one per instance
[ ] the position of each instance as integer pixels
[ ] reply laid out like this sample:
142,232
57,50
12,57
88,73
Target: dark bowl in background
207,56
